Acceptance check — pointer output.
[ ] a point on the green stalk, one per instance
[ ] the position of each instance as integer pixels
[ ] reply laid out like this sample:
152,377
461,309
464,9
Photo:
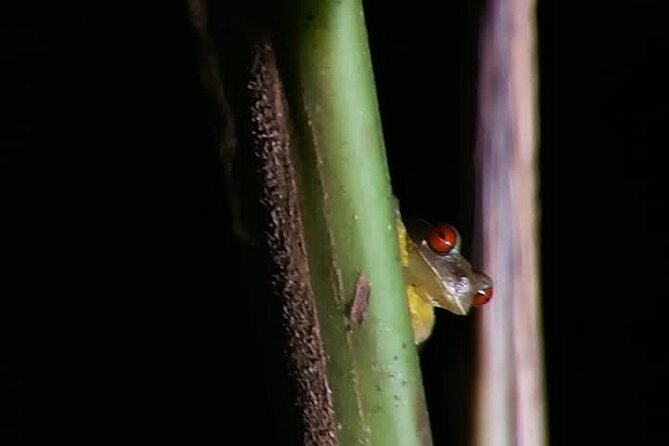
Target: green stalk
348,215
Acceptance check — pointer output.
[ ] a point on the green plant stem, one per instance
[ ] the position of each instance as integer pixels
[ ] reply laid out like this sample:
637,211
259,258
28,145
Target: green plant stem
348,215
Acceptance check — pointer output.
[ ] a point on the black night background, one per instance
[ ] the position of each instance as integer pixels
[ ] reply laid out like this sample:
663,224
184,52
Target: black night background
122,313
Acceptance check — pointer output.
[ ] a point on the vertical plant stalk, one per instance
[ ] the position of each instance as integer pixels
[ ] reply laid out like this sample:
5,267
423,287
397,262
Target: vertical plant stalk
310,130
510,407
348,215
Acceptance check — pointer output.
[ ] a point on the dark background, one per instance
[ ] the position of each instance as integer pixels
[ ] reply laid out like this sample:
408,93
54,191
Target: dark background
121,315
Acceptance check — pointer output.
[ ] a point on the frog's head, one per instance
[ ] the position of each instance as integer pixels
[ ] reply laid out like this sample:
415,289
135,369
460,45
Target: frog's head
437,266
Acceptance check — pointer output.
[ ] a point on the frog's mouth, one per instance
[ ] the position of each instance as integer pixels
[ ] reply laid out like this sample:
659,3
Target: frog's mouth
462,310
451,303
446,298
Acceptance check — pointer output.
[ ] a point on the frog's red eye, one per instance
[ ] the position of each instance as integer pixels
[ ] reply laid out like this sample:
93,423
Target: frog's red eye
442,238
483,296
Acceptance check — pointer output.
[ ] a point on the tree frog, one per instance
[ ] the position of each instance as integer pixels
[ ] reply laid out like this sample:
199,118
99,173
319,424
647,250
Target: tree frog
437,275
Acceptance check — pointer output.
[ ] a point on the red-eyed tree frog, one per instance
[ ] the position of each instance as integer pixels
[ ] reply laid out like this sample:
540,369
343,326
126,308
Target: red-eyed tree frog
437,275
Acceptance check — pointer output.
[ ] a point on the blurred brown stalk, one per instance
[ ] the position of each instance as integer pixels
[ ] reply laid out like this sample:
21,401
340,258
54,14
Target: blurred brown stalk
510,404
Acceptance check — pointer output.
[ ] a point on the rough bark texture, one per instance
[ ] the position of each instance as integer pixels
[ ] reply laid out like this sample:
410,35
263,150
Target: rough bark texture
253,133
287,248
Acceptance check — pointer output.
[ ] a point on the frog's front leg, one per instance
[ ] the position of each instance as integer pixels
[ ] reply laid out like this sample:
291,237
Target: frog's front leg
422,315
